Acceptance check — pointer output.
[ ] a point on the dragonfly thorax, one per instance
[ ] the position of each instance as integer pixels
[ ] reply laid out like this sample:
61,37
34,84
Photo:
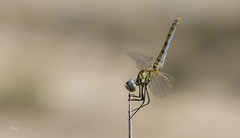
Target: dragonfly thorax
144,77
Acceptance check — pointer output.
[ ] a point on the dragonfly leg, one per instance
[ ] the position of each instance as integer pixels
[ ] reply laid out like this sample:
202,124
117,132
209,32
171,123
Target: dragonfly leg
148,98
133,95
143,101
134,99
147,102
137,97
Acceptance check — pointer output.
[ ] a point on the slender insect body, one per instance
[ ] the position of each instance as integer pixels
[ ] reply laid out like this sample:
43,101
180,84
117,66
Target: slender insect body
160,83
161,58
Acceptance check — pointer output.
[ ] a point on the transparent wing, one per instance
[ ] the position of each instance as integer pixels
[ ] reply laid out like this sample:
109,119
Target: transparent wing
161,84
142,61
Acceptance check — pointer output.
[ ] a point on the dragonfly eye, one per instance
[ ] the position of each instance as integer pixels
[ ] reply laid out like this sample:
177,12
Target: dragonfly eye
130,85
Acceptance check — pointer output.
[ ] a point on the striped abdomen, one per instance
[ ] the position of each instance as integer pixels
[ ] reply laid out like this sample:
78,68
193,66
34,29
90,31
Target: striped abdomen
160,60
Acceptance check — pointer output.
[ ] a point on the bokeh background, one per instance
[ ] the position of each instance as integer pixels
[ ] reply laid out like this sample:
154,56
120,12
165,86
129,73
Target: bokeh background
63,66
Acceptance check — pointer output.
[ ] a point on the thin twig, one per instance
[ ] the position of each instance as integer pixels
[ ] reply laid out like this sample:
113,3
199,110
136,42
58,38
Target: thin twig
129,117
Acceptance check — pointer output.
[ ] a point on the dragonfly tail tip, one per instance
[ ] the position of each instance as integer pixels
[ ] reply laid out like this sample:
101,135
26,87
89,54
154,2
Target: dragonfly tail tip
178,18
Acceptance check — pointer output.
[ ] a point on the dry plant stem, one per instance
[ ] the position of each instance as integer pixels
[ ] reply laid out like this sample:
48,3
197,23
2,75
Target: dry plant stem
129,117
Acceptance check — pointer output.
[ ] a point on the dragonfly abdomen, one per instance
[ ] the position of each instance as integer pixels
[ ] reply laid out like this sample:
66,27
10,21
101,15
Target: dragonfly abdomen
161,58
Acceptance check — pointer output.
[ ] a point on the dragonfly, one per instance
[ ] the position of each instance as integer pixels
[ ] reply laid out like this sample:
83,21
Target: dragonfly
159,82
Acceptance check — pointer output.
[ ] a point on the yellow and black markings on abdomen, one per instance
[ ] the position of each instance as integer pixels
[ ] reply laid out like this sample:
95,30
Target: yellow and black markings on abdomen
160,60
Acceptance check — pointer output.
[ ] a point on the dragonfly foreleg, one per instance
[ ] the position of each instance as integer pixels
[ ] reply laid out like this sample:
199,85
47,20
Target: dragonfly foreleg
146,103
133,95
138,97
143,101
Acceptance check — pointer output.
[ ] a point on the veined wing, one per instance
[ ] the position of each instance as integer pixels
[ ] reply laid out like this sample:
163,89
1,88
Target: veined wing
161,84
142,61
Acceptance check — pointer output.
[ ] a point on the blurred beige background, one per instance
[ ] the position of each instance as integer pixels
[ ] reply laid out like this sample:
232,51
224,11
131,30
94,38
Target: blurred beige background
63,66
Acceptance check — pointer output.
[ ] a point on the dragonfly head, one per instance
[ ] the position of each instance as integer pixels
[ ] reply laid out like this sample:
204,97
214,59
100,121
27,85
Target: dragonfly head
131,85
